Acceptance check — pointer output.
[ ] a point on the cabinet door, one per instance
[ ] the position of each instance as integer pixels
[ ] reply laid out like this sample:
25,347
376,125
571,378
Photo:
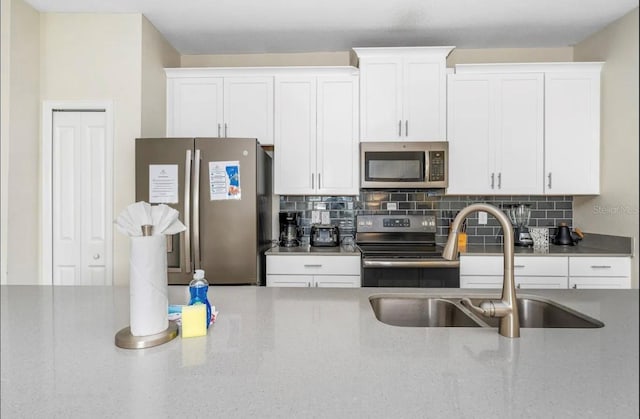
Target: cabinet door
337,136
337,281
594,282
519,133
380,98
572,133
541,282
471,152
295,135
195,107
423,100
289,280
248,108
477,281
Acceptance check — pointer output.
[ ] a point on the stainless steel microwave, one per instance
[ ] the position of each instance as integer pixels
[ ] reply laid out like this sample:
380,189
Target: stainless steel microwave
404,164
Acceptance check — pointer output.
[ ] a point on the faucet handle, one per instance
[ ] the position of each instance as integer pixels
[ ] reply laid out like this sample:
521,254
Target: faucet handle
484,309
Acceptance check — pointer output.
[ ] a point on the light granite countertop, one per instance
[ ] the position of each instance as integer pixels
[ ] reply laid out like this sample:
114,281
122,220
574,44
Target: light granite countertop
592,245
343,250
312,352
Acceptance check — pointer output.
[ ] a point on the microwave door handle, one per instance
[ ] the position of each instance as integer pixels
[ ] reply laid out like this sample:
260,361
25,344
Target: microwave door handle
187,212
196,209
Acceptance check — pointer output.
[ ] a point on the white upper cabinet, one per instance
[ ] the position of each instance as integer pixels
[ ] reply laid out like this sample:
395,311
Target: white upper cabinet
220,103
572,130
403,93
524,129
316,132
495,133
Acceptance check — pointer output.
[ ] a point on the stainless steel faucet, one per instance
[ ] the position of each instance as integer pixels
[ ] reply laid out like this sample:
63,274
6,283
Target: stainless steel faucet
506,308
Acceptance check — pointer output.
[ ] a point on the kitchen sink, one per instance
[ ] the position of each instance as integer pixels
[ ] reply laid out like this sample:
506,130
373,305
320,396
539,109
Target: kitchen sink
418,311
542,313
411,310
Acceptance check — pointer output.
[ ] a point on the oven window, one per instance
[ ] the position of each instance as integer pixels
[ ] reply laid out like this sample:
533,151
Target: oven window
397,166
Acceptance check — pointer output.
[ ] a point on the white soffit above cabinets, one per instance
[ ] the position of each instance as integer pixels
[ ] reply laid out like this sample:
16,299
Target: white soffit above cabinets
281,26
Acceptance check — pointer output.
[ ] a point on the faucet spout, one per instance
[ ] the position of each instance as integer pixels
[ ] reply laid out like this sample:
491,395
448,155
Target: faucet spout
506,309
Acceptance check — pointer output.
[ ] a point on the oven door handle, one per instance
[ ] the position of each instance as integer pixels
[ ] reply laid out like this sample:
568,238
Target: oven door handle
395,263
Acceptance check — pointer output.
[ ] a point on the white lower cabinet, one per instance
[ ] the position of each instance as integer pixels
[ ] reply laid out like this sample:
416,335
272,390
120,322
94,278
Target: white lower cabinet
313,271
599,272
530,272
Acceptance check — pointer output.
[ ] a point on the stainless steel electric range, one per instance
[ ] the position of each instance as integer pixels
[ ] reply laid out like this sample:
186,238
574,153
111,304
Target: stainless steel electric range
401,251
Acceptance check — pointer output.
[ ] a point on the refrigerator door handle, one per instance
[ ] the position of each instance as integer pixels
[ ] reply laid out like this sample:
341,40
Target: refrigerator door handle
187,211
196,209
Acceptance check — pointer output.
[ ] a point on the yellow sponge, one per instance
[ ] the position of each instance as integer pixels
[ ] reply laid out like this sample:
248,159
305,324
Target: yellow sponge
194,320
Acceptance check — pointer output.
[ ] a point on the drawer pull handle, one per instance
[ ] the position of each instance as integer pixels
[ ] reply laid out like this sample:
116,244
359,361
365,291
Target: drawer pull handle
518,266
313,266
600,266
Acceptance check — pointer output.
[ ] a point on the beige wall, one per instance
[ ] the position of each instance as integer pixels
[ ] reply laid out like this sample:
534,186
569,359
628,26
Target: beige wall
615,210
98,57
256,60
509,55
20,124
5,44
157,54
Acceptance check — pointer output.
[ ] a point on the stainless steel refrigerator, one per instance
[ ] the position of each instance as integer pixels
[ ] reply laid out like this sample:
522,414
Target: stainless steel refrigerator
222,189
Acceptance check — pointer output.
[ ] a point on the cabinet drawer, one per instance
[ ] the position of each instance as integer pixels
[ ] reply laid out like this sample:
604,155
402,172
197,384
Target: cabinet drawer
600,266
540,266
481,265
523,265
313,265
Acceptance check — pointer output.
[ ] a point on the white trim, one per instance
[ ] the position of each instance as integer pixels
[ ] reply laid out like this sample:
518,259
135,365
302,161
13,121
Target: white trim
46,214
555,67
199,72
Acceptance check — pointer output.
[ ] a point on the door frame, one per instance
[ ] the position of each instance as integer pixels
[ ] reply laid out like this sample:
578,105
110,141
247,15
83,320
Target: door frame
46,153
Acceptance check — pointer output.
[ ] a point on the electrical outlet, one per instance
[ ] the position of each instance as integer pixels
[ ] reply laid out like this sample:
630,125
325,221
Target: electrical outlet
392,206
482,217
315,217
325,217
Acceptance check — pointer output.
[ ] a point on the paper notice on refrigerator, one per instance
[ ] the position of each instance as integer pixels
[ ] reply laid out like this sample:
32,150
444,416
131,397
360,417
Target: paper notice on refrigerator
163,183
224,180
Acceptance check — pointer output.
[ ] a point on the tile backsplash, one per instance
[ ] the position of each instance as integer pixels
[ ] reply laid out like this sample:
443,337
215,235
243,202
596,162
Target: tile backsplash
546,211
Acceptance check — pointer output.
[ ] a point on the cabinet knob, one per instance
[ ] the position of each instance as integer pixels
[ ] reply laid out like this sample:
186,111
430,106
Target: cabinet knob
549,177
493,180
500,180
218,130
96,256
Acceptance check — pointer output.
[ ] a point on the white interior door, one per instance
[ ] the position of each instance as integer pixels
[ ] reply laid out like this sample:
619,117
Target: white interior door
79,199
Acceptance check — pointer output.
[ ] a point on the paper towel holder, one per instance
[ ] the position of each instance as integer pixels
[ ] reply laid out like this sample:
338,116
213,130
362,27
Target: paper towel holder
125,340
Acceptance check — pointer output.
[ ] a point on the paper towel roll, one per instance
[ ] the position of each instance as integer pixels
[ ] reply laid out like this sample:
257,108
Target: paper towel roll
148,299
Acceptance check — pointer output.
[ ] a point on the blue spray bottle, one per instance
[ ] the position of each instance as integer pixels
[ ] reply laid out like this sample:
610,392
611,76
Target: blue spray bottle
198,288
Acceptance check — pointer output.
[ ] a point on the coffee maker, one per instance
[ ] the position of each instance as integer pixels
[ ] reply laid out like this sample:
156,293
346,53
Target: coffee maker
289,231
519,215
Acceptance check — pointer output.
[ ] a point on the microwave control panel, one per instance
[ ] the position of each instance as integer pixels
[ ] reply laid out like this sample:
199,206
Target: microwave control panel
436,166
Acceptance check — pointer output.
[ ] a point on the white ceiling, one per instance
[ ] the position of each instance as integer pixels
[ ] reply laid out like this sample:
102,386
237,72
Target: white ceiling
275,26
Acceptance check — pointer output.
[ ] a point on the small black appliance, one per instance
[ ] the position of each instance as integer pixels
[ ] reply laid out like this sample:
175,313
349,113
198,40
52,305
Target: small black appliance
520,215
289,230
324,235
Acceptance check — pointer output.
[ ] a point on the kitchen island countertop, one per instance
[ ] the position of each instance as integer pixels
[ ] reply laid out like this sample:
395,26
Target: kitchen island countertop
311,352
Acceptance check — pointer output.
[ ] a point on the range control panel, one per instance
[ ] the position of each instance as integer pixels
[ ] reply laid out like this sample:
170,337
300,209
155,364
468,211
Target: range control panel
400,223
